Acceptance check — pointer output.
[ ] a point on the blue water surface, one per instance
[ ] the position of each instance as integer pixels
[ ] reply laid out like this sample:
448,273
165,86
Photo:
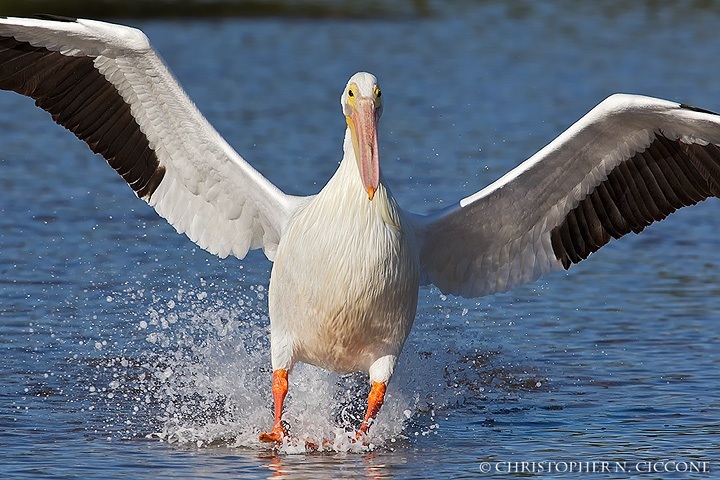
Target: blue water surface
128,352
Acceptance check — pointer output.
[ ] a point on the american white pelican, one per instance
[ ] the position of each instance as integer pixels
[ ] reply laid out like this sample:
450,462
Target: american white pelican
349,260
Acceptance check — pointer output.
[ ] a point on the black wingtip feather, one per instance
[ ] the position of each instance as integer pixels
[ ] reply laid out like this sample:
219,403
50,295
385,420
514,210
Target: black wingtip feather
49,16
697,109
55,18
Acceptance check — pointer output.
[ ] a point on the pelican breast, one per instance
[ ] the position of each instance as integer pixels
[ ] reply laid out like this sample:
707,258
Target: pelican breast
344,286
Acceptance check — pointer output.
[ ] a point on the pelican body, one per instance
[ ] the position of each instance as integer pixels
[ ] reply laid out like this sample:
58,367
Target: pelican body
362,322
348,261
345,303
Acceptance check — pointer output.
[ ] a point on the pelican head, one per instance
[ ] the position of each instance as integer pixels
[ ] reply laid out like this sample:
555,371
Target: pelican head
362,105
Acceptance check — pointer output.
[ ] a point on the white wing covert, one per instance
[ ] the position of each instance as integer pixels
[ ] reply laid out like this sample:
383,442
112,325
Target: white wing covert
107,85
630,161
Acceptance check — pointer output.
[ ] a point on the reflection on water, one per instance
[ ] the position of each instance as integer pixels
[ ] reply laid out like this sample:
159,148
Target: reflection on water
369,466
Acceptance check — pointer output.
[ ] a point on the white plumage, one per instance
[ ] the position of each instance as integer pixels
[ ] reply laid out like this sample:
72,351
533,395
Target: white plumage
349,260
343,305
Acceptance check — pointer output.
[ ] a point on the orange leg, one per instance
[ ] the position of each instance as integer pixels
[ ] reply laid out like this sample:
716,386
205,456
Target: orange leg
279,390
375,401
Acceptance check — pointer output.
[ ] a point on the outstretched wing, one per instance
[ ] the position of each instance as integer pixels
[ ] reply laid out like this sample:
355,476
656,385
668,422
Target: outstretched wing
108,86
629,162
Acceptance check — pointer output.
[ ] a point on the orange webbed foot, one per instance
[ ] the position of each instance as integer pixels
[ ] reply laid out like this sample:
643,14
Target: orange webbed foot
275,435
361,438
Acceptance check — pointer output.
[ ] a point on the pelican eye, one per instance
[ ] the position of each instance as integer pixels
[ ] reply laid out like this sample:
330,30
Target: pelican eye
378,95
351,95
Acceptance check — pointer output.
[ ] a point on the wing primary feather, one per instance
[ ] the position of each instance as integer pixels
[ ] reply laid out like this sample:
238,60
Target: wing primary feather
592,230
597,235
664,178
706,159
687,184
611,218
679,184
619,190
651,180
641,188
631,201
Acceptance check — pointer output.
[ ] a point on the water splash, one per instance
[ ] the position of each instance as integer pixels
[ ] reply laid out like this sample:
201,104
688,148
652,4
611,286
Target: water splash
197,373
200,375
